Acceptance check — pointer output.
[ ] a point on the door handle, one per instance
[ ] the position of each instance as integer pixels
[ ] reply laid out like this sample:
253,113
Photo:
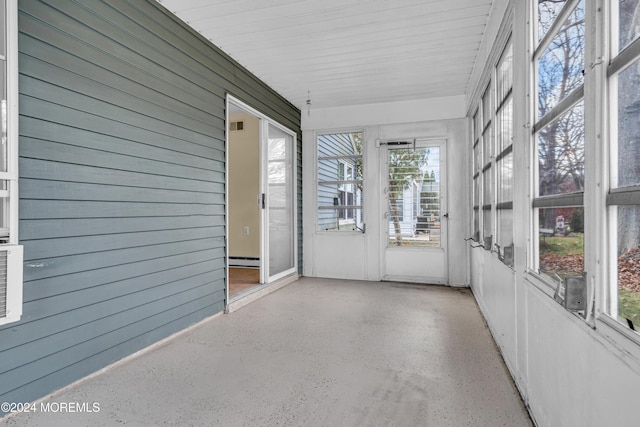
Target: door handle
446,215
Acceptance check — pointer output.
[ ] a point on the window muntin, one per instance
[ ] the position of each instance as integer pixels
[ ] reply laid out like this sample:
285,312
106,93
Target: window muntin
340,181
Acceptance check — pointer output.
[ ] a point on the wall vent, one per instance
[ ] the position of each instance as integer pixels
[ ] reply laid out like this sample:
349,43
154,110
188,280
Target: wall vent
10,283
235,126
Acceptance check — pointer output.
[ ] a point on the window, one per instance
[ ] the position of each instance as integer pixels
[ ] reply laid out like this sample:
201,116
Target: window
623,200
487,171
340,183
10,251
477,169
559,139
504,159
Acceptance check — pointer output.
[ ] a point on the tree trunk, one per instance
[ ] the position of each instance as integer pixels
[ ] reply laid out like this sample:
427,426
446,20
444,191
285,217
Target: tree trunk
393,201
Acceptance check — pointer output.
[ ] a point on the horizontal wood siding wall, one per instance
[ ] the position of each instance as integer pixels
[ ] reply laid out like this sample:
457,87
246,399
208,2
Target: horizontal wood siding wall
122,180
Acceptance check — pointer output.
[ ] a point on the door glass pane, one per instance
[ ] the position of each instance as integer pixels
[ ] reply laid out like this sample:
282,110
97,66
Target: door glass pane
413,195
280,201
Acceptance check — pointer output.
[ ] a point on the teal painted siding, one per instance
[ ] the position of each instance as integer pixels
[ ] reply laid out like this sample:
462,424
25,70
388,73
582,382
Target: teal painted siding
122,178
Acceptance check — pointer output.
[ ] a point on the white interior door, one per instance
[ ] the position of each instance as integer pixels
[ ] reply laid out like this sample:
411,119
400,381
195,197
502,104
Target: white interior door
279,243
415,209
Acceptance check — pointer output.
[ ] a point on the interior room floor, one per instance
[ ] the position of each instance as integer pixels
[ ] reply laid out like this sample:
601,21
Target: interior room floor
318,352
241,279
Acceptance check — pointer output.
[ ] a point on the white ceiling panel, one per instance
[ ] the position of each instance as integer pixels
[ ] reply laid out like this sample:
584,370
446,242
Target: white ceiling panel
347,52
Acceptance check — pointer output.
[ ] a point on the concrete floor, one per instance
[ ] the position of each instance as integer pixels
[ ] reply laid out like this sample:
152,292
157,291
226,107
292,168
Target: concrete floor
315,353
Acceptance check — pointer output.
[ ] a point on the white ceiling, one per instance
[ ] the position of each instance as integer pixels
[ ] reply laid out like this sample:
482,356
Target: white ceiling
347,52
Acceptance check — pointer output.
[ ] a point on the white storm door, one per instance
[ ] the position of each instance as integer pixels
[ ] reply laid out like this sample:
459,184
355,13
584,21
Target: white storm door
415,233
279,243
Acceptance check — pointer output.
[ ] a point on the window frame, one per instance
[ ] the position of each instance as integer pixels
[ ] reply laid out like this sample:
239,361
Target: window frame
476,169
616,195
487,101
343,211
504,151
9,178
564,105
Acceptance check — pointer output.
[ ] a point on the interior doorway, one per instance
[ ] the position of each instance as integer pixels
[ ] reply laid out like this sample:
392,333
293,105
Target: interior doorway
243,188
261,202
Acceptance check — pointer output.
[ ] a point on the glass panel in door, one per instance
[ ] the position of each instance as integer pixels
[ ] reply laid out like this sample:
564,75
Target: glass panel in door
280,203
414,197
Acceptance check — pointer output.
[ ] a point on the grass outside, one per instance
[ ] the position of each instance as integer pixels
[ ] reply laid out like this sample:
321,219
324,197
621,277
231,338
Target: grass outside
629,306
563,245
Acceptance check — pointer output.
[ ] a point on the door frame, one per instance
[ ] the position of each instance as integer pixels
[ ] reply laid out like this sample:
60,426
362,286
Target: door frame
443,250
265,121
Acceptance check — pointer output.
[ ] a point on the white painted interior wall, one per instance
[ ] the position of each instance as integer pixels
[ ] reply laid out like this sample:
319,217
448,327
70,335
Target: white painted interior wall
244,186
356,255
568,373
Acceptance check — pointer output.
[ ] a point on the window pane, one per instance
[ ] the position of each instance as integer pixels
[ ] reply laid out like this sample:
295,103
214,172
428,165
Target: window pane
548,10
487,106
487,145
477,160
561,154
3,35
628,24
340,183
628,301
504,74
505,169
560,68
629,126
561,241
486,223
505,227
505,125
487,186
476,223
476,191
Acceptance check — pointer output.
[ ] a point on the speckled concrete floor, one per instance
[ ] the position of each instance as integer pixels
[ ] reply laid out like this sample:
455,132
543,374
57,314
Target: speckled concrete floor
316,353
